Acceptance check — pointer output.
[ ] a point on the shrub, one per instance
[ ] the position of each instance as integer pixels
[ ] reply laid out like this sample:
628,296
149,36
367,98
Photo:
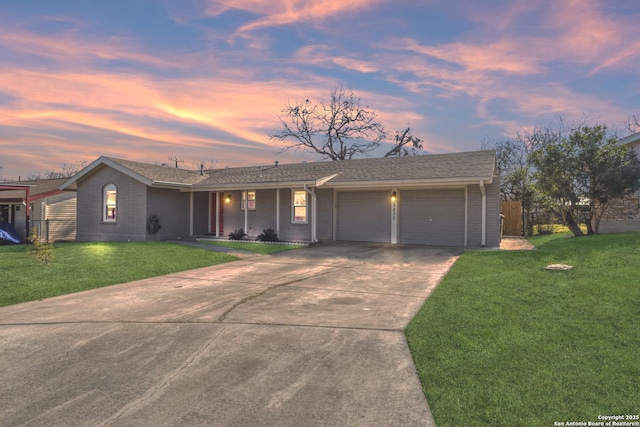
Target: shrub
41,248
237,235
268,235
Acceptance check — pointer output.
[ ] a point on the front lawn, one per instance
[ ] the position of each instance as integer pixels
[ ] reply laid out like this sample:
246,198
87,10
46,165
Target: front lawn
81,266
504,342
257,247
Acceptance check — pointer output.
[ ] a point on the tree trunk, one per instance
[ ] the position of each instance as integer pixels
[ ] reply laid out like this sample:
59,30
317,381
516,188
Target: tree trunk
590,231
571,223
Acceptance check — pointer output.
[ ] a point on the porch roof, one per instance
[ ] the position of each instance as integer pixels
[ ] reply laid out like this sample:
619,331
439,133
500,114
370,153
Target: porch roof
38,189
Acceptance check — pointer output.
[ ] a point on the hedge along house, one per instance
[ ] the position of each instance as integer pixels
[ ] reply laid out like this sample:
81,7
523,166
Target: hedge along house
441,199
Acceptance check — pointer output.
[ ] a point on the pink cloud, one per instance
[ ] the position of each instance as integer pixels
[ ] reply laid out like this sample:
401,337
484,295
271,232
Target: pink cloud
322,56
72,48
574,31
282,12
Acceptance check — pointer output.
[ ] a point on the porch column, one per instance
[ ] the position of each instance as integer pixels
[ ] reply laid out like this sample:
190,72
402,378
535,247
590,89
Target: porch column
314,216
217,213
191,214
466,214
278,211
245,194
484,214
394,215
335,215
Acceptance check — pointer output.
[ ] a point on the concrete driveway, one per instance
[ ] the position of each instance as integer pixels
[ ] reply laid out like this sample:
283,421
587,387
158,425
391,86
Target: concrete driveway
311,337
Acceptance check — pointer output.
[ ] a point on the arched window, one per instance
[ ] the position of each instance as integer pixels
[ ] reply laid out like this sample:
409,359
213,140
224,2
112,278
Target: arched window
109,200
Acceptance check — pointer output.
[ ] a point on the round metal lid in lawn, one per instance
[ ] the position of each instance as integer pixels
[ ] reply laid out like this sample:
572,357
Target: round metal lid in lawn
558,267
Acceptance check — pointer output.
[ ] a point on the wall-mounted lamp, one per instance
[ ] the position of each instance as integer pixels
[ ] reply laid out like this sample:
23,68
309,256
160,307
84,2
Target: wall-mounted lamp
227,198
394,196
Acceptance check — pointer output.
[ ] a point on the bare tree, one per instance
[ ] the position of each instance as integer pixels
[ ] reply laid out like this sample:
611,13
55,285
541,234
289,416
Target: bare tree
405,144
67,170
339,128
633,123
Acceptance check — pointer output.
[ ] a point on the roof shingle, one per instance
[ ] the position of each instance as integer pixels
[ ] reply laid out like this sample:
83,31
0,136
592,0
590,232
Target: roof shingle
477,164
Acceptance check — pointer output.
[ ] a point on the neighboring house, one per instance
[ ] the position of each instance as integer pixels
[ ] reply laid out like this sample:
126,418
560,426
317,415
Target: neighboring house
624,214
440,199
51,211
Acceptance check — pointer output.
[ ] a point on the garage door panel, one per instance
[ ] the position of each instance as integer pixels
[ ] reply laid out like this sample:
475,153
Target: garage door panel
432,217
364,216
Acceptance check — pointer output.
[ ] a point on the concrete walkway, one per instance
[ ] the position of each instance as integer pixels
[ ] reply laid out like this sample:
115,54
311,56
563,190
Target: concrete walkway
513,243
311,337
240,253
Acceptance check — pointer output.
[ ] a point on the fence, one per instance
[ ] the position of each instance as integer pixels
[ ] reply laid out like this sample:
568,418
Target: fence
512,222
55,230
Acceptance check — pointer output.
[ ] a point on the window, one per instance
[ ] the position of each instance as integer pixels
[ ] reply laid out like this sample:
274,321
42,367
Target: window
109,202
251,195
299,207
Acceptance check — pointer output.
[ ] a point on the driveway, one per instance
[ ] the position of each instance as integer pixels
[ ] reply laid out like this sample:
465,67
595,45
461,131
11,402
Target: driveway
311,337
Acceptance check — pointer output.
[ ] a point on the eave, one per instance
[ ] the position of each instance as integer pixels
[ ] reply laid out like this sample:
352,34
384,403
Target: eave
410,183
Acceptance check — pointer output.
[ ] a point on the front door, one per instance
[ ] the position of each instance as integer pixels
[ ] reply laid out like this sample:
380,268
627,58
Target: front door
213,212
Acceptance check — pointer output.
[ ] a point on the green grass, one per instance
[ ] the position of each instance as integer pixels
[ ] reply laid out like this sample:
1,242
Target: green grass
503,342
257,247
81,266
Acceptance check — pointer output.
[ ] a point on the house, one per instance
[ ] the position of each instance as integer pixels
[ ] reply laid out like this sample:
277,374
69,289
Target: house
40,204
624,214
440,199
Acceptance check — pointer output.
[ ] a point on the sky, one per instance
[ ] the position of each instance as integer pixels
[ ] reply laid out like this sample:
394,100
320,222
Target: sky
205,81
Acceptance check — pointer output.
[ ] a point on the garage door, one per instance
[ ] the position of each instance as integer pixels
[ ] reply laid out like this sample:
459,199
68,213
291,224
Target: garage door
364,216
432,217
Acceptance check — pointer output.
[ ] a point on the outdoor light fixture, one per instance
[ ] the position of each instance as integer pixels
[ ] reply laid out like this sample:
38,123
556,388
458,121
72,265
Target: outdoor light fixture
227,198
393,196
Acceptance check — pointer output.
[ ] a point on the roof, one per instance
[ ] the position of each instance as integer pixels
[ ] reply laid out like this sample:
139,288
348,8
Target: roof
467,167
471,166
630,139
151,175
38,189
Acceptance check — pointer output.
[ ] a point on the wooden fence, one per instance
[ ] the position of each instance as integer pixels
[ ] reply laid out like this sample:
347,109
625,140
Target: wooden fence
512,222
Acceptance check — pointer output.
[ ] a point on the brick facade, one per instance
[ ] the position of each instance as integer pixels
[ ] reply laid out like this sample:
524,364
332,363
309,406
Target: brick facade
622,215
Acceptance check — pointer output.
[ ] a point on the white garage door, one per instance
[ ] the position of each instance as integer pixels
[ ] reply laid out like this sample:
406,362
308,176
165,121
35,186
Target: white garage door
432,217
364,216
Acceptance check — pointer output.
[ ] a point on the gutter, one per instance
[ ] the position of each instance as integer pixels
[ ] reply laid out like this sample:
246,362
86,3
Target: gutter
254,186
412,183
169,184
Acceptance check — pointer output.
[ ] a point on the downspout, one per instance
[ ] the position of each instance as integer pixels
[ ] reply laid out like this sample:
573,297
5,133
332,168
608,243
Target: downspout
484,215
314,238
